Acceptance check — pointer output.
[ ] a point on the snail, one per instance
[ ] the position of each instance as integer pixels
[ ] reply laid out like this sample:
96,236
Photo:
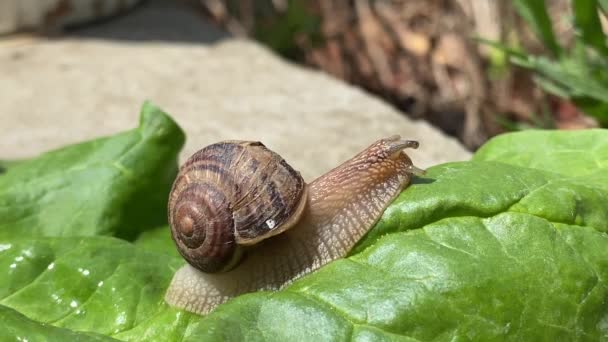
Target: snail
245,220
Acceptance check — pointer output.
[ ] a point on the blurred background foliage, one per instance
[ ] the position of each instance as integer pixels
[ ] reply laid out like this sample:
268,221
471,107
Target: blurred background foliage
474,68
578,70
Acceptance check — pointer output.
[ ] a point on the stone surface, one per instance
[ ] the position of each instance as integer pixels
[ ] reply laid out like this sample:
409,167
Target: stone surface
56,92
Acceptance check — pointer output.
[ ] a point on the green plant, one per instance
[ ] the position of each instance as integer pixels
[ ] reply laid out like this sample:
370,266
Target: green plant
282,32
578,73
511,245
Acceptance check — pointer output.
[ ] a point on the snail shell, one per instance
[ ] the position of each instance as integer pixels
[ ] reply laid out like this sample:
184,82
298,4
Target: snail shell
228,195
332,214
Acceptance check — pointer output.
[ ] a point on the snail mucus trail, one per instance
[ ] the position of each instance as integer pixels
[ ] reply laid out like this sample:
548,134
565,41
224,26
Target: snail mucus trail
246,221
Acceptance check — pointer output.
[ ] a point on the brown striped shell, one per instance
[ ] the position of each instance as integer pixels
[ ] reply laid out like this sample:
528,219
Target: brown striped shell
229,195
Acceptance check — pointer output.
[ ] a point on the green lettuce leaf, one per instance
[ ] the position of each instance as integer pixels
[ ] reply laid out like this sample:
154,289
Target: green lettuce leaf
571,153
94,284
17,327
8,164
473,251
110,186
158,240
511,245
513,276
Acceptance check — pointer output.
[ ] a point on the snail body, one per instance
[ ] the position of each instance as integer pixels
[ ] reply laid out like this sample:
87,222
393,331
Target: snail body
246,221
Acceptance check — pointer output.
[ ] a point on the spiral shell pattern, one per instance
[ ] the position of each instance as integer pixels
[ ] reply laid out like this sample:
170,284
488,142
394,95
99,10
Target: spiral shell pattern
231,194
